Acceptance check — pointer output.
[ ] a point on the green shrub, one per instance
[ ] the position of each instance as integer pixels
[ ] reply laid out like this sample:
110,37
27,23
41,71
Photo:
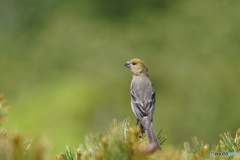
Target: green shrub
121,142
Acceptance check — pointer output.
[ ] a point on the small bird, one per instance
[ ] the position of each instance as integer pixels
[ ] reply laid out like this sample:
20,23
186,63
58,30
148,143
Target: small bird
143,98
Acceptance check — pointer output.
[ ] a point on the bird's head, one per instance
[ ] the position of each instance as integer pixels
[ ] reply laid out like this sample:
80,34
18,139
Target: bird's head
137,66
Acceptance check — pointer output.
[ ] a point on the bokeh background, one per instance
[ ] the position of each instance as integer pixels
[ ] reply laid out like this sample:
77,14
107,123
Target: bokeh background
62,71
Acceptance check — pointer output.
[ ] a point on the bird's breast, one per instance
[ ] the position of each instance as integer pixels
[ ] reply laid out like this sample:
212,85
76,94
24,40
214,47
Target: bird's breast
142,89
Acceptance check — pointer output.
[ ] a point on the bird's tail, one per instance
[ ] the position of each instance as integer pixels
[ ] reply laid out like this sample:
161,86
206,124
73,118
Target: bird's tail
151,136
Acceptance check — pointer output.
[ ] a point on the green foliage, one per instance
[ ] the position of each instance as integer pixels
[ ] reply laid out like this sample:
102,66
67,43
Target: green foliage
202,151
124,142
228,143
13,147
121,142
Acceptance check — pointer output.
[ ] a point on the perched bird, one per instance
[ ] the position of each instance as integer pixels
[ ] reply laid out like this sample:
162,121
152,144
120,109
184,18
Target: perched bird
143,98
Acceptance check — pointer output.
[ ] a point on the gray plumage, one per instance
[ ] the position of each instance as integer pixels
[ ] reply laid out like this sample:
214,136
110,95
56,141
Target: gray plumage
143,98
143,105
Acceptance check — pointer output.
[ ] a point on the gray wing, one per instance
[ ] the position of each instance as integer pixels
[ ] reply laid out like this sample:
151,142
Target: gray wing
143,110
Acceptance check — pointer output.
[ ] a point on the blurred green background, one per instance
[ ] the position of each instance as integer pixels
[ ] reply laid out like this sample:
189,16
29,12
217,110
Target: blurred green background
62,71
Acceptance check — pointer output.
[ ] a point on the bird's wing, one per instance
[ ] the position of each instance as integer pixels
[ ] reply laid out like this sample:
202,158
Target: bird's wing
144,108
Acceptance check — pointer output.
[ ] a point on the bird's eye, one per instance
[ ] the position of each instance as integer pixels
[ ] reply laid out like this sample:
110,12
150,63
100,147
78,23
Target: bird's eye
134,63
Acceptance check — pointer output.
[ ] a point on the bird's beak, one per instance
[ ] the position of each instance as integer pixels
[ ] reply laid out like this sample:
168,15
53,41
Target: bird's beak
127,64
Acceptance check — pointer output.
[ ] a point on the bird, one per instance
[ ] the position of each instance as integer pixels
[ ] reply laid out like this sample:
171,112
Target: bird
143,98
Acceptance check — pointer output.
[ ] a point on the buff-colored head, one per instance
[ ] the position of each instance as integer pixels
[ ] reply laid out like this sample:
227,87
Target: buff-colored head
137,66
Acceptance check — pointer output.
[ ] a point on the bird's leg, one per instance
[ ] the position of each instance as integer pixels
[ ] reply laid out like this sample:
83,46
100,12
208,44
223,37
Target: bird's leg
141,128
140,125
137,124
